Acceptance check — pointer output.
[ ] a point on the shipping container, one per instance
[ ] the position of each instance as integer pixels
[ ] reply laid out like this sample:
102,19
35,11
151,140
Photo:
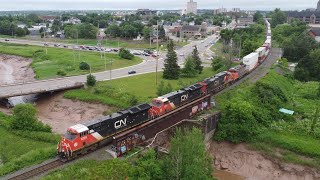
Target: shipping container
262,53
251,61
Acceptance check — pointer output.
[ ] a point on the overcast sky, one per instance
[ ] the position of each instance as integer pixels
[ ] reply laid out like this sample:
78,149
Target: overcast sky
8,5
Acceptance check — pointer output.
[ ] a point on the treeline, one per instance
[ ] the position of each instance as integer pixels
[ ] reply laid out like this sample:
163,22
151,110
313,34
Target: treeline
298,46
249,39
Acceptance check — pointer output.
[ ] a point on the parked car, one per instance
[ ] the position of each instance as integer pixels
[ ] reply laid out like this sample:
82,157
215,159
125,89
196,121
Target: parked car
132,72
56,45
65,46
115,50
6,39
181,54
46,44
146,54
108,50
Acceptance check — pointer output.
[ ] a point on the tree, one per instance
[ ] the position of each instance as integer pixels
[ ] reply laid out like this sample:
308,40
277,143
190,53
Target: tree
278,17
125,54
91,80
113,30
217,63
196,59
171,68
315,120
226,35
308,67
160,89
162,33
146,33
24,118
188,158
318,93
20,32
189,69
56,26
168,89
148,167
87,31
84,66
258,18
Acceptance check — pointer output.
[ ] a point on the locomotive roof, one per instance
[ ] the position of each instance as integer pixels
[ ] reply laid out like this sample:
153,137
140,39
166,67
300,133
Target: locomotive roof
139,108
79,128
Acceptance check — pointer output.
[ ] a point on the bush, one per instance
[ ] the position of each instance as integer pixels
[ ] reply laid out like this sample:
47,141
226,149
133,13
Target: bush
61,73
24,118
125,54
84,66
91,80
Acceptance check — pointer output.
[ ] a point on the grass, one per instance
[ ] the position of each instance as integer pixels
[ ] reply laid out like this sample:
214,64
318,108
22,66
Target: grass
47,66
142,86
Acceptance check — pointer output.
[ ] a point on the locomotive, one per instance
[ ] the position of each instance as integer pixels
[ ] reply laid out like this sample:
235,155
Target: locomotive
81,138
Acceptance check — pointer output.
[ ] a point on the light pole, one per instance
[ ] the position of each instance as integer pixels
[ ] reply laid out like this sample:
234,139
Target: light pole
45,42
157,53
110,71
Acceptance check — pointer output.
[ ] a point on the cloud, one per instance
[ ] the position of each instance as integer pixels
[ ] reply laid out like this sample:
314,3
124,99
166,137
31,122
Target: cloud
152,4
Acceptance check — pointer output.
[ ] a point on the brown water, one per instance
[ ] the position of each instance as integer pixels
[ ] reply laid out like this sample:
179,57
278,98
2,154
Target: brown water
225,175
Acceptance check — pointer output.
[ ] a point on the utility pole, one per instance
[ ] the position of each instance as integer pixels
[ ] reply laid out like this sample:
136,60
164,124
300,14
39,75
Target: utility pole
240,47
157,53
110,71
78,45
45,42
105,59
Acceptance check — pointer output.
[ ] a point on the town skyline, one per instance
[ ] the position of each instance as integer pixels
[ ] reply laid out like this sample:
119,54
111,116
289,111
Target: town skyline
157,5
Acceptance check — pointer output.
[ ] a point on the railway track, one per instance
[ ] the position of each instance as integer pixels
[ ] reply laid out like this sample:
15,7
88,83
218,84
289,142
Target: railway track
38,170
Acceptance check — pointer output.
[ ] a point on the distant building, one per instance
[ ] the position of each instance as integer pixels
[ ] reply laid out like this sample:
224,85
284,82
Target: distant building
192,7
188,31
146,13
235,10
308,17
318,6
220,11
245,21
72,21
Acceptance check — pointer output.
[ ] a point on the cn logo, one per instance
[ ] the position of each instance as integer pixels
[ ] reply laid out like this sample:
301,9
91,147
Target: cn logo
184,97
119,124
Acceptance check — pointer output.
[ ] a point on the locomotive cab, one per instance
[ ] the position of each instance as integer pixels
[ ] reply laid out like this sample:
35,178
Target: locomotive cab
160,106
76,138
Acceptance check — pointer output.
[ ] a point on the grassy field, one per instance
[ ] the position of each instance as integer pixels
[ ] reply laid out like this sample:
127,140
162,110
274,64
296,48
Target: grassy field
19,150
47,66
143,87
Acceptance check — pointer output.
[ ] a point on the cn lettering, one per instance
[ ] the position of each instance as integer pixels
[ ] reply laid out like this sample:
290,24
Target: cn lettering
119,124
184,97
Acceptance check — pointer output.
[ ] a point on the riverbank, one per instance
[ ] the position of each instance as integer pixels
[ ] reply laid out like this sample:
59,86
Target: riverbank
242,160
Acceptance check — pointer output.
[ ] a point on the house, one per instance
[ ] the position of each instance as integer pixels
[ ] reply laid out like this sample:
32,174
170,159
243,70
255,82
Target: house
196,31
314,32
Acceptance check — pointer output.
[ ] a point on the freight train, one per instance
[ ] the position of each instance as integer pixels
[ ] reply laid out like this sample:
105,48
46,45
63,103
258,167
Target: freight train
81,138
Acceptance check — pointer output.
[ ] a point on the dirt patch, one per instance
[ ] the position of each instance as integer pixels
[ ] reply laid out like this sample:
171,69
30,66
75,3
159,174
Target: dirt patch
15,69
61,113
239,159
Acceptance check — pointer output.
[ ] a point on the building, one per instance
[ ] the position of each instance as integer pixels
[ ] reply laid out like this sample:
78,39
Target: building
192,7
245,21
314,32
318,6
220,11
308,17
235,10
188,31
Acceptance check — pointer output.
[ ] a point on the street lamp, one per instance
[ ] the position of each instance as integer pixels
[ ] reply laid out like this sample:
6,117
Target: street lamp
111,61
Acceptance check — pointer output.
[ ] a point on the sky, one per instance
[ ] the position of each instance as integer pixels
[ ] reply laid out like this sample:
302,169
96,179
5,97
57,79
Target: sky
10,5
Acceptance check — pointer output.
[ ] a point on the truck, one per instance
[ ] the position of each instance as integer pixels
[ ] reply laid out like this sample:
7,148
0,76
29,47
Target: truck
262,53
251,61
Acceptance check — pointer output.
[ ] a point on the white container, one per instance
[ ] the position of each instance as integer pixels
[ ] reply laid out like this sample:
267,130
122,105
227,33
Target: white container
262,52
251,61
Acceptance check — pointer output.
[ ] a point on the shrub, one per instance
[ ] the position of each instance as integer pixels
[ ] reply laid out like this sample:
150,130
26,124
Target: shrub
91,80
84,66
61,73
125,54
24,118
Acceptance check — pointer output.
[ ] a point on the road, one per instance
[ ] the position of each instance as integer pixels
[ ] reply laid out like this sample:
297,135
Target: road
148,65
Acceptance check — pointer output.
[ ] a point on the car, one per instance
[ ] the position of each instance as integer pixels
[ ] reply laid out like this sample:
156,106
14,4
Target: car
206,45
210,58
181,54
6,39
56,45
115,50
65,46
202,41
132,72
108,50
146,54
136,53
46,44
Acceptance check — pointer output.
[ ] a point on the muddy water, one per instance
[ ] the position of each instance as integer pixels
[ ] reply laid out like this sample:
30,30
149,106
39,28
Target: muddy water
6,77
225,175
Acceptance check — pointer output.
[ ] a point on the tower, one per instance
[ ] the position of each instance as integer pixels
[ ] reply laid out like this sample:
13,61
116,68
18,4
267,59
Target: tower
318,6
192,7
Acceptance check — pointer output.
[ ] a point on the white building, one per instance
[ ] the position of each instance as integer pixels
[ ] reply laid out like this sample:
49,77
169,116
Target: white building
192,7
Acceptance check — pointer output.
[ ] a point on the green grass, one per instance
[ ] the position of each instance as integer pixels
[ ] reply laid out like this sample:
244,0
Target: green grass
142,86
47,66
19,149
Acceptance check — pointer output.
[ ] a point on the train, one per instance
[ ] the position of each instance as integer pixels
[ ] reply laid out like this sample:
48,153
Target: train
81,138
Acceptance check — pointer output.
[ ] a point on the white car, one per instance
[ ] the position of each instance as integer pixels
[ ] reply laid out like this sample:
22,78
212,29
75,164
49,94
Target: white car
181,54
108,50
